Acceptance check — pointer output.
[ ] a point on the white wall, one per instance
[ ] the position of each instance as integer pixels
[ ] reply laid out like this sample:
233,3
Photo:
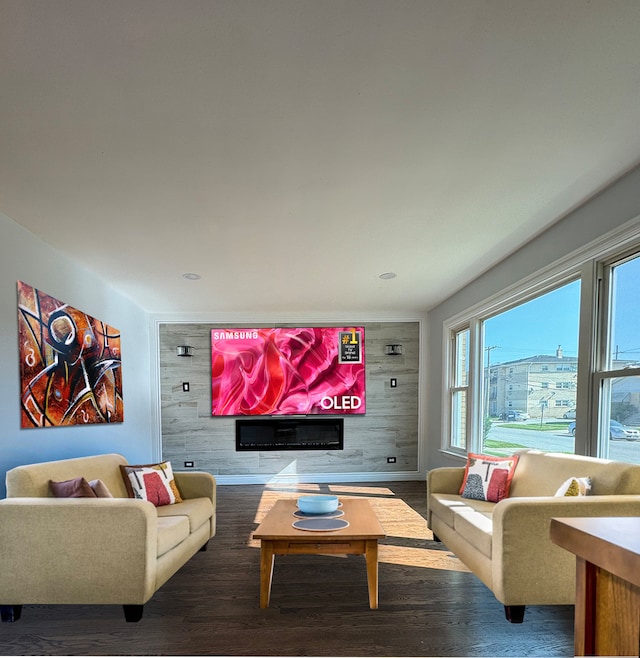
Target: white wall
617,205
26,258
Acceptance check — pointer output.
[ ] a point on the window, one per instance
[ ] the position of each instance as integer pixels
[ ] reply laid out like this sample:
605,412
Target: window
553,362
513,351
617,379
459,389
541,330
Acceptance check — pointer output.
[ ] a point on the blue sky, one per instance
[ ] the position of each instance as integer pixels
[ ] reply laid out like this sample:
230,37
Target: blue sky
626,335
537,327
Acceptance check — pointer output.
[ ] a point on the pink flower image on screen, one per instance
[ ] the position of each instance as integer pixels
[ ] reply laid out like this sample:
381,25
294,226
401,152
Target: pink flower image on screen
280,371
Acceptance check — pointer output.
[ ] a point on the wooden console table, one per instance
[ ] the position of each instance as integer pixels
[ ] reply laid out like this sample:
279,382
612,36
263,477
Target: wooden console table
607,549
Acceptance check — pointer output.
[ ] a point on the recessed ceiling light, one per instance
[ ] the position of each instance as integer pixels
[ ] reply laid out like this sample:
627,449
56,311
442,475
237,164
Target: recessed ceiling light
388,275
191,276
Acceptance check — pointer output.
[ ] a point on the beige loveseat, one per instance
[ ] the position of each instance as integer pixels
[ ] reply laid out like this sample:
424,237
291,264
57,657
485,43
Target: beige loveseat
116,550
506,544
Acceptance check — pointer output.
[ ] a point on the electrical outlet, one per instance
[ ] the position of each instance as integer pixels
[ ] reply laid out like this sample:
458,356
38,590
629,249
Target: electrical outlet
185,387
188,464
391,460
393,382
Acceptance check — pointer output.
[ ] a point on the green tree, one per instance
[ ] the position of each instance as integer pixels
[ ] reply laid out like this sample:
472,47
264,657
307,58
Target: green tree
485,428
620,411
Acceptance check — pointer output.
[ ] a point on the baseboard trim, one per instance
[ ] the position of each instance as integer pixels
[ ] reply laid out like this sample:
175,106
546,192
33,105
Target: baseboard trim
297,478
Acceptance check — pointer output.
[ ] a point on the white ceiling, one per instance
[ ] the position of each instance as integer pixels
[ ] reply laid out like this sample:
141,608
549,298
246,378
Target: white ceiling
290,151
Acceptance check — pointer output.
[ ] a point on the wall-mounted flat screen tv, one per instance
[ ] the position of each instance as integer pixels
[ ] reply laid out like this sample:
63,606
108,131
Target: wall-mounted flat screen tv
287,371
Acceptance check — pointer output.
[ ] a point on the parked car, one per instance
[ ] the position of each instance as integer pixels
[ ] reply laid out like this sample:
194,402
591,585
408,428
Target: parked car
571,414
514,414
616,431
619,431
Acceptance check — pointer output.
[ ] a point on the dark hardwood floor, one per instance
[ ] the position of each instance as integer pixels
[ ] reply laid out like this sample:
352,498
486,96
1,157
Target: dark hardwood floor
430,605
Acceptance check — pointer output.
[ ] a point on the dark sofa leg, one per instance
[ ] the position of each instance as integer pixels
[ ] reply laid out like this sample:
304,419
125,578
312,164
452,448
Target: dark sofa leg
10,612
436,538
514,613
133,612
204,548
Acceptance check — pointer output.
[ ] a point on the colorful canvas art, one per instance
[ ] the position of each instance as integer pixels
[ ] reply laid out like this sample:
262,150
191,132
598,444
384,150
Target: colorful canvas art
70,364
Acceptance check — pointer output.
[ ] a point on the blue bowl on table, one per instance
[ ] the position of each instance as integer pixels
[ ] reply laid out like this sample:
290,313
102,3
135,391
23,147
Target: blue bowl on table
318,504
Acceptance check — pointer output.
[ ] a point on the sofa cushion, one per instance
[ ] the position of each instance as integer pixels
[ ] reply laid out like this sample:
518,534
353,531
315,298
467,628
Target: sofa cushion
171,531
474,526
487,477
74,488
197,510
445,506
152,482
541,474
32,480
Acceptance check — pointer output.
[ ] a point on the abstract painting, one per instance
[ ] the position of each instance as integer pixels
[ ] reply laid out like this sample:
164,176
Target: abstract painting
70,364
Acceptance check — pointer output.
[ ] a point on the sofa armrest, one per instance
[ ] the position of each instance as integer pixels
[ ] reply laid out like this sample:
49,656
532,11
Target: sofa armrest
196,484
525,560
77,550
446,479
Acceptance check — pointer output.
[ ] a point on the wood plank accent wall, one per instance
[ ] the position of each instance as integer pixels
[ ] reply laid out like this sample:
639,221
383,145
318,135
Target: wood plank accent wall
388,429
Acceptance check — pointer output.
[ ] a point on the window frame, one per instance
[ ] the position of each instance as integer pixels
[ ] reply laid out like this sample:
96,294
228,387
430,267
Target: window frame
587,264
473,320
603,372
454,387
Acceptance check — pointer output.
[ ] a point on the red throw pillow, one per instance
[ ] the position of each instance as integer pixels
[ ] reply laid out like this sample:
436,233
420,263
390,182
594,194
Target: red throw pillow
152,482
487,477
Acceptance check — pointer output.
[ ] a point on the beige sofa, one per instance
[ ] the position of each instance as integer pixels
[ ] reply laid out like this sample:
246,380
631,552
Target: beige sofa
116,550
506,544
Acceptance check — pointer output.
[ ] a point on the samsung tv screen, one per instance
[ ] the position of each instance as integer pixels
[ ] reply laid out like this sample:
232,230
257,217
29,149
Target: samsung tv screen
287,371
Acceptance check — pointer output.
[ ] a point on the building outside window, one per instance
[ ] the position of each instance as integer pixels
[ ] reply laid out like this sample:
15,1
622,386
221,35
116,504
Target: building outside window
530,383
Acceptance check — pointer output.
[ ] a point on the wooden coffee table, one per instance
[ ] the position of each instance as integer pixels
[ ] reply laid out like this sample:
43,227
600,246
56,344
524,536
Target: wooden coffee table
278,537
